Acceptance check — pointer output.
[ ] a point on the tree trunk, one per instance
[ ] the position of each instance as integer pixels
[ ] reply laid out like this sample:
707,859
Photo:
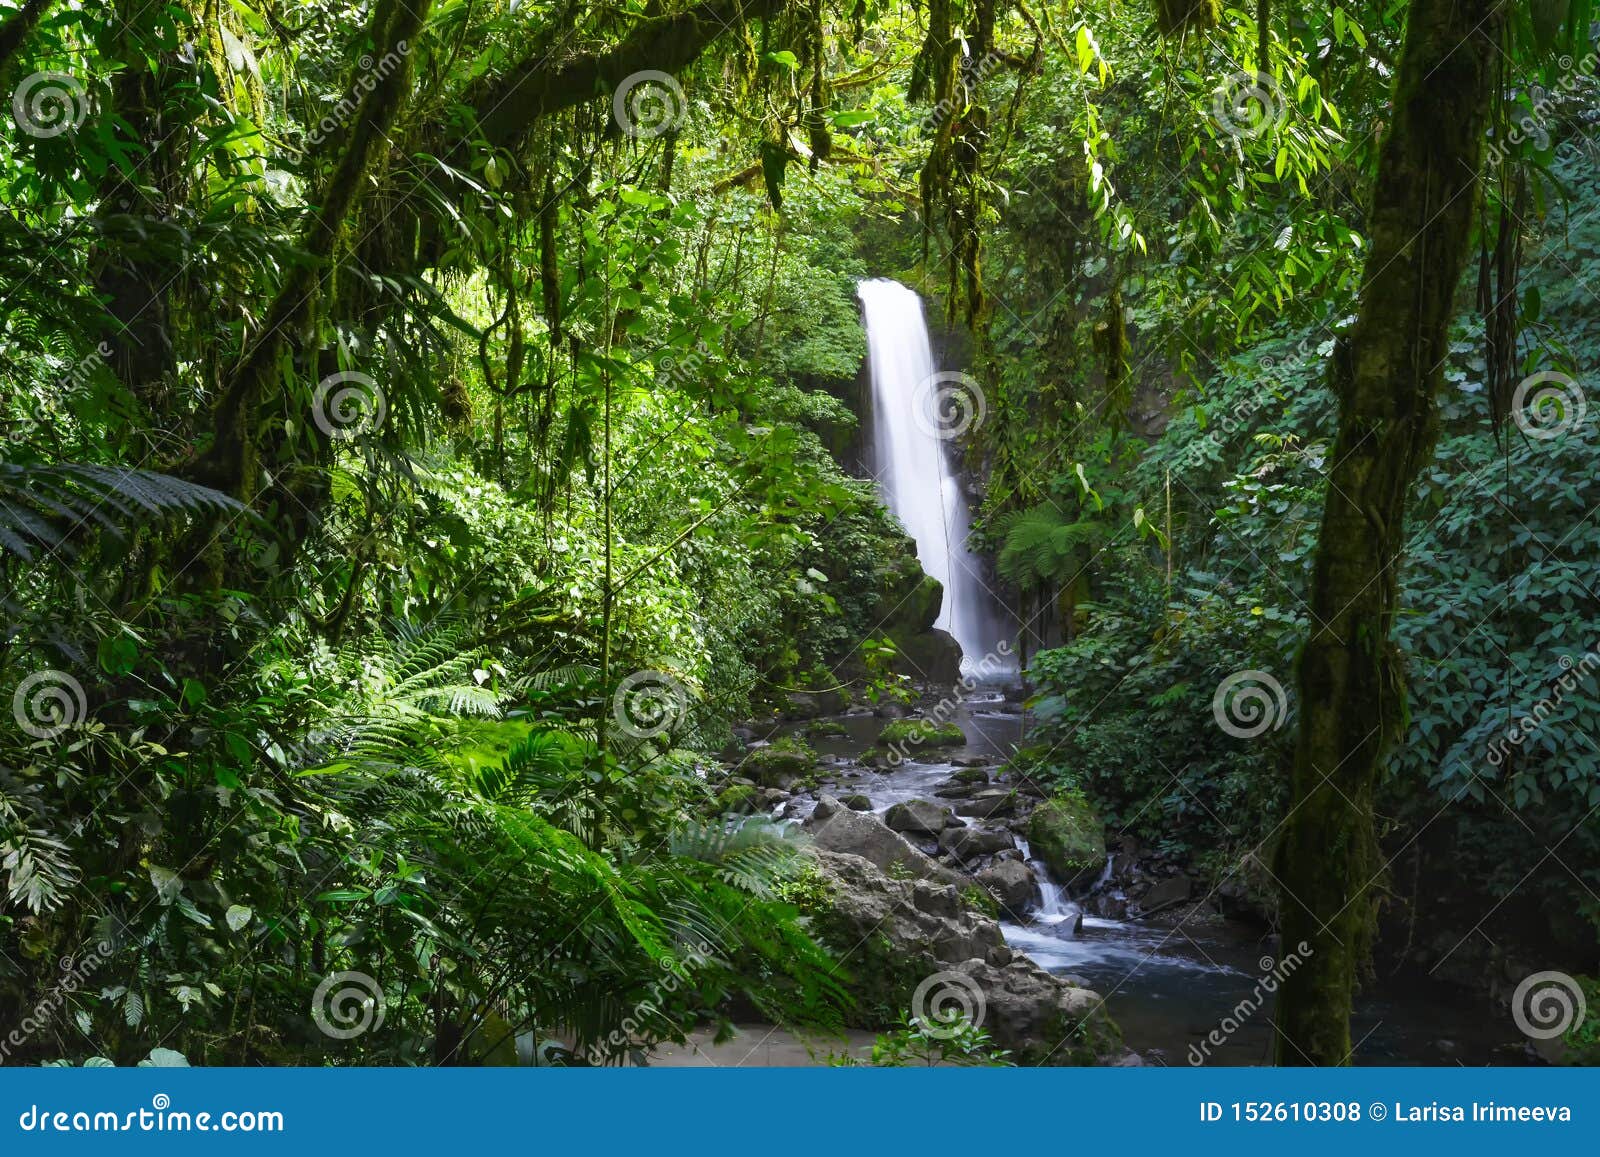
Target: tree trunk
1386,372
136,258
14,32
231,464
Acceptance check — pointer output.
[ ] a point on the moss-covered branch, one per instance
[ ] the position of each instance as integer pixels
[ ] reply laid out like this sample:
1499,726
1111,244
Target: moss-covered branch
535,88
229,465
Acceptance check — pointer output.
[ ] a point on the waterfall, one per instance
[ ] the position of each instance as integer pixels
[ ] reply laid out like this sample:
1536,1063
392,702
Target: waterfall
916,411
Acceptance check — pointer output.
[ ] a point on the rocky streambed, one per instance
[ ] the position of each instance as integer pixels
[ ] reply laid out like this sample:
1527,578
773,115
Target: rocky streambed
942,862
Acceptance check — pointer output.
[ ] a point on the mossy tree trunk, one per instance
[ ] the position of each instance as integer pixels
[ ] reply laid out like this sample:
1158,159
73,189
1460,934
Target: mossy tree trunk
1386,372
231,464
14,32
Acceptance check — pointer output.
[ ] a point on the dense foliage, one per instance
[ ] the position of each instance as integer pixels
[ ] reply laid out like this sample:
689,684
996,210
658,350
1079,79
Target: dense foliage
422,436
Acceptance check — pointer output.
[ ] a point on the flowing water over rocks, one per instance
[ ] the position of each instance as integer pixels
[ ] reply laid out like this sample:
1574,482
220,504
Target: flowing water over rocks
1169,979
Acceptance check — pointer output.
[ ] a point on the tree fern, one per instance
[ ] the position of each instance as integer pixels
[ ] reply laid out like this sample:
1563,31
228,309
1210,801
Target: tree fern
1042,546
45,508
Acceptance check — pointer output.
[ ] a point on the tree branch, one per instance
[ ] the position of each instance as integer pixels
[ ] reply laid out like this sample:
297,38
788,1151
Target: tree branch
533,89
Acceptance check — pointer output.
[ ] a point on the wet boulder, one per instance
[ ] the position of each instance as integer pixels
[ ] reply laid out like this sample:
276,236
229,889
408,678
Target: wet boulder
835,828
911,937
910,734
968,844
1165,893
1065,833
779,763
919,816
990,803
1012,884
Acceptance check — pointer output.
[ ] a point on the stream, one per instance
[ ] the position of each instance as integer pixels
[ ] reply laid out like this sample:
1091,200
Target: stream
1167,983
1168,980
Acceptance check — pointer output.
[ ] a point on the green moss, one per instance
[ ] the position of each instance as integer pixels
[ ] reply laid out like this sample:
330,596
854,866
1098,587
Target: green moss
826,729
970,775
1065,833
921,733
738,798
780,763
979,898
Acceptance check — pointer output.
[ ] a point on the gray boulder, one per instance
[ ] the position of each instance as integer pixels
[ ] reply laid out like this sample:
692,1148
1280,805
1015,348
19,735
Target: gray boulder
967,844
906,936
917,815
988,804
1012,884
835,828
922,921
1041,1018
1165,894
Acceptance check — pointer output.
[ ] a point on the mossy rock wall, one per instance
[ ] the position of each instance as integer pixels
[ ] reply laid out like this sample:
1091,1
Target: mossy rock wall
1067,835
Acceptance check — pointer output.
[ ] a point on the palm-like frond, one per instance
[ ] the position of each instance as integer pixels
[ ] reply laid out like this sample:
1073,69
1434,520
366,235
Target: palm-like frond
1042,545
47,508
544,764
752,854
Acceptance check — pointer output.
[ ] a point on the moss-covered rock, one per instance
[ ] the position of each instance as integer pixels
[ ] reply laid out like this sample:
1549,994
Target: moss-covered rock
921,733
899,933
917,596
856,802
1065,833
738,798
780,763
931,657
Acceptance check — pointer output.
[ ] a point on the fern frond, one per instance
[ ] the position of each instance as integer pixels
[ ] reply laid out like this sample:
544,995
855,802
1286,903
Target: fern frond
1042,545
47,508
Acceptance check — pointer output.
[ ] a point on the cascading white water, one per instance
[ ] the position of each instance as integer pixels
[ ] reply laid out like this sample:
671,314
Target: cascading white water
916,409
